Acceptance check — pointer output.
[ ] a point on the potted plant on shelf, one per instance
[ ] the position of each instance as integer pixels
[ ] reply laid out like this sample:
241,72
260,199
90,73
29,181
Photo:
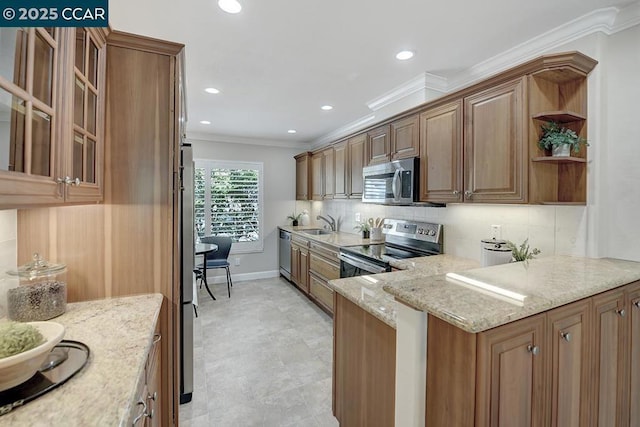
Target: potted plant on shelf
294,218
560,140
522,253
364,227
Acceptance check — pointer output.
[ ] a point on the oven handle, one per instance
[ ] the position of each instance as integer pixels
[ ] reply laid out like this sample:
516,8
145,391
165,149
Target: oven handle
363,265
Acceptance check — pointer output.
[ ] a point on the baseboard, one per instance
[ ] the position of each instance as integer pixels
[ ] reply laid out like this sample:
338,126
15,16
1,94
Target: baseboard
240,277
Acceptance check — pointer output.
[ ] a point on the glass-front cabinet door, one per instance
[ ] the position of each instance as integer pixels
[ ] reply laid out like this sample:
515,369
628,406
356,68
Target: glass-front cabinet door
85,150
51,115
29,115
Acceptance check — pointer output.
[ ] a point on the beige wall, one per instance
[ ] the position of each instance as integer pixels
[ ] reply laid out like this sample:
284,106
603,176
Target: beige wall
279,191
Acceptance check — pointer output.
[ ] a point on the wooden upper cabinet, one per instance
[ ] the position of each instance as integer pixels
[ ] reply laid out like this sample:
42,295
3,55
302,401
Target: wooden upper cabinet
85,147
378,145
329,174
56,127
494,155
317,176
405,140
511,374
30,79
303,177
356,160
441,154
341,167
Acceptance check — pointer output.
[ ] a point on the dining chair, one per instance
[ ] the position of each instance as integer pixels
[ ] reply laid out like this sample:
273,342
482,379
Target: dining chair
217,259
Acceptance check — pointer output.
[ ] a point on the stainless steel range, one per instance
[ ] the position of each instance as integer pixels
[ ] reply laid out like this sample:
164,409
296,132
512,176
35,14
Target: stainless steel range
403,239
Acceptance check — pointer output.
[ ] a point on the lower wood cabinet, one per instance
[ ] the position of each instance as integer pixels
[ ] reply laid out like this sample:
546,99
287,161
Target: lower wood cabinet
364,353
300,264
575,365
323,266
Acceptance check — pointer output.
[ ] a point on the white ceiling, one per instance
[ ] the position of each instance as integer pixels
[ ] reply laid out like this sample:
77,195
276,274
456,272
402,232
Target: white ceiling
278,61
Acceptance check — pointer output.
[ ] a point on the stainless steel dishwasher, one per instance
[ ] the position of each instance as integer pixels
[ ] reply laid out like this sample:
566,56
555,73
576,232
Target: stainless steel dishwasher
284,254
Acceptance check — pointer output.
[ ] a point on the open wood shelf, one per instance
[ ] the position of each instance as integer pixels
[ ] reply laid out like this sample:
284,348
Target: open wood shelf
550,159
560,116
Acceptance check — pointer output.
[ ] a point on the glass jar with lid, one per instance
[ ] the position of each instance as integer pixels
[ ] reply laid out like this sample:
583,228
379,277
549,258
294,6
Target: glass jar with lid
41,293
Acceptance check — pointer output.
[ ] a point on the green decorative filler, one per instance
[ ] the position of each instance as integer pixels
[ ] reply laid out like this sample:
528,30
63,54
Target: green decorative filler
16,337
554,134
524,252
294,218
364,227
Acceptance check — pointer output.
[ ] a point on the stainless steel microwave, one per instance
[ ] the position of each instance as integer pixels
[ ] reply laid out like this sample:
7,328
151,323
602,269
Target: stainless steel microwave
393,183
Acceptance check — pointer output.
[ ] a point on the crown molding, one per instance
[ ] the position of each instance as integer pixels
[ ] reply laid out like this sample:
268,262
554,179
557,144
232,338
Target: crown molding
347,129
608,20
416,84
229,139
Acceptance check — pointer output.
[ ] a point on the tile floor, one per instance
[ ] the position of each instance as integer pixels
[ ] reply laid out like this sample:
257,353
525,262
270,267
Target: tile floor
262,358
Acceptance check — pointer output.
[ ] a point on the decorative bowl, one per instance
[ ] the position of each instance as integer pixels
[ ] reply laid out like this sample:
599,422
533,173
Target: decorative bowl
20,367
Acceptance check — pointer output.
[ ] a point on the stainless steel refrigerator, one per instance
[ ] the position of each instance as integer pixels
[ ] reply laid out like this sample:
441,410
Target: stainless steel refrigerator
186,274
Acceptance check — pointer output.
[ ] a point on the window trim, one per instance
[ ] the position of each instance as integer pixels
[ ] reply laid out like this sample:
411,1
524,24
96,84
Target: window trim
209,164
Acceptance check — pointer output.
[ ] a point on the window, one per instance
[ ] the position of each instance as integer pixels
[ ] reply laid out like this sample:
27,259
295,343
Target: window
228,202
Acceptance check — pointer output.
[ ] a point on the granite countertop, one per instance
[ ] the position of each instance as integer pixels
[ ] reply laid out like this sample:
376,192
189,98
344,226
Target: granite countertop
368,293
119,333
543,283
335,238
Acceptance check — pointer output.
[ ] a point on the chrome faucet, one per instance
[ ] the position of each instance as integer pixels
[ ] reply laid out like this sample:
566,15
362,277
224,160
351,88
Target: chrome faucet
332,223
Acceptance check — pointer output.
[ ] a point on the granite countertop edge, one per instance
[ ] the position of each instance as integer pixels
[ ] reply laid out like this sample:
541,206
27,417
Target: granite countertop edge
446,301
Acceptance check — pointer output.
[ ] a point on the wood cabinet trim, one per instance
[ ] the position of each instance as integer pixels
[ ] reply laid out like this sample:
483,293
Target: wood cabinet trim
147,44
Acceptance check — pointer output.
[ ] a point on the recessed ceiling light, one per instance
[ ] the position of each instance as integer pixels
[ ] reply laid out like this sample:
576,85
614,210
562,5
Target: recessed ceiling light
205,122
291,131
327,107
230,6
404,55
211,90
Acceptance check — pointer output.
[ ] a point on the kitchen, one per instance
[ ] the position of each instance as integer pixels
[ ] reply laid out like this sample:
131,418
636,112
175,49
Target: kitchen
605,226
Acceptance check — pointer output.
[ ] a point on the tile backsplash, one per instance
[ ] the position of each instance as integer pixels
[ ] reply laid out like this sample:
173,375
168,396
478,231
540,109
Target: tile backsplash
560,230
8,252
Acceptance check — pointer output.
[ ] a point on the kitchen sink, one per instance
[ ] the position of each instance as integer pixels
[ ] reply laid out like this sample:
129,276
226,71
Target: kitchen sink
316,231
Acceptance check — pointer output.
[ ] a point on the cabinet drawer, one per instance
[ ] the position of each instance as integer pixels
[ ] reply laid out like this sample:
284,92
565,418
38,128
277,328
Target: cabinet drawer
327,252
300,241
323,268
319,289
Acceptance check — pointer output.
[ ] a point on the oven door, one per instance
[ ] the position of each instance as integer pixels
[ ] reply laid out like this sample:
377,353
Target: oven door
351,266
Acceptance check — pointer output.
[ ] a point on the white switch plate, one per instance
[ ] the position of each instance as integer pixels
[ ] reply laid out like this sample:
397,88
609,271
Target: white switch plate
237,261
357,216
496,231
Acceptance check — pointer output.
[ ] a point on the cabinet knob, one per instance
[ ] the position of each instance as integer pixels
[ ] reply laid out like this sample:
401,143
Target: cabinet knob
621,312
468,194
566,336
533,349
153,396
456,192
636,304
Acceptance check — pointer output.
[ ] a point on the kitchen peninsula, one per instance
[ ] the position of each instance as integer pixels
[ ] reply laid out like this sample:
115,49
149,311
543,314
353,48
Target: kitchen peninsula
121,334
547,332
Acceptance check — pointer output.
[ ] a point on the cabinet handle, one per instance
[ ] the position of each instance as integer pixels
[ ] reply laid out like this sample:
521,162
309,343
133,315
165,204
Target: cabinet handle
142,414
456,192
468,194
621,312
566,336
533,349
67,180
156,338
636,304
